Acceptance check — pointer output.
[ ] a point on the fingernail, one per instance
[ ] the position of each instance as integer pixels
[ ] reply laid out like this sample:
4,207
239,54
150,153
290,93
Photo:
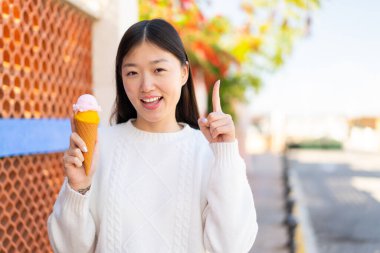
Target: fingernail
204,120
84,149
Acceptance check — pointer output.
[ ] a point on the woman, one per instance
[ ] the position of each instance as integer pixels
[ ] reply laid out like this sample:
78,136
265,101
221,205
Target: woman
165,181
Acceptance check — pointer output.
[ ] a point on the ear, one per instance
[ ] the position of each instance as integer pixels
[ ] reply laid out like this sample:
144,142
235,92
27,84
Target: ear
184,73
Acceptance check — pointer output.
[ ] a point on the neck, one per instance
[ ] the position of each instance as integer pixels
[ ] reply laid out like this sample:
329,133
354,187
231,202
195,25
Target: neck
157,127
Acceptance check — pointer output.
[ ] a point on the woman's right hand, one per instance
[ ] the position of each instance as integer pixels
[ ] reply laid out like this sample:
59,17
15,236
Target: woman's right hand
73,162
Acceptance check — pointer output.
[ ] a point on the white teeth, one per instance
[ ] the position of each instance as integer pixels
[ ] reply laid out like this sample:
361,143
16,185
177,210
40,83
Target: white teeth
150,100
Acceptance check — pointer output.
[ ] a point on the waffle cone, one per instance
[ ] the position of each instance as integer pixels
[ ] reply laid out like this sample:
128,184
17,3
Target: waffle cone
88,132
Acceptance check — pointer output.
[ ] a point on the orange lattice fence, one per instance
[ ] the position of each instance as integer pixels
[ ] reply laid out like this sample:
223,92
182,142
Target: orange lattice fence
28,189
45,64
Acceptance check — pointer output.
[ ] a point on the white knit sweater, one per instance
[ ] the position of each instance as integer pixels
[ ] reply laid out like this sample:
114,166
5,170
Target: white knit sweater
158,193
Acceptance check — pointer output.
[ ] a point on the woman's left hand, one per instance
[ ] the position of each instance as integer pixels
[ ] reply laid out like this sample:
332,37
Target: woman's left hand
217,126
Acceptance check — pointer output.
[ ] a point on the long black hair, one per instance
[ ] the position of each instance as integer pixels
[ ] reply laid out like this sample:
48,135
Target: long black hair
162,34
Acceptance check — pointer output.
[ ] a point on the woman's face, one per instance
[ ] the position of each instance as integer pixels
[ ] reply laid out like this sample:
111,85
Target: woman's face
152,79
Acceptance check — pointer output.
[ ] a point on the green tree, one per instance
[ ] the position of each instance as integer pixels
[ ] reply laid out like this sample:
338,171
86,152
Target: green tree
240,55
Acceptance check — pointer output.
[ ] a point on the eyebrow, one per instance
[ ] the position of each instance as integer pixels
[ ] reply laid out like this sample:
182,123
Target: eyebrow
152,62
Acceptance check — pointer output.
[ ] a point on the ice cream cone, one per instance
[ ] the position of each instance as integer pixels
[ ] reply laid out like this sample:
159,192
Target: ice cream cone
86,121
88,132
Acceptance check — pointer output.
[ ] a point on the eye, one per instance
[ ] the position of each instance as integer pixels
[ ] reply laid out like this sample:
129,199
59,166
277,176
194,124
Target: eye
158,70
131,73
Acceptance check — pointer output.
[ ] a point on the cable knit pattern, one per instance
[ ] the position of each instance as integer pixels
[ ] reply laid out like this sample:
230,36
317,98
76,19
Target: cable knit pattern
184,198
147,207
113,223
158,192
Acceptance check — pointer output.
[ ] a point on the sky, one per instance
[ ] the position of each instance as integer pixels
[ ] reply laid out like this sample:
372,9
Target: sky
334,71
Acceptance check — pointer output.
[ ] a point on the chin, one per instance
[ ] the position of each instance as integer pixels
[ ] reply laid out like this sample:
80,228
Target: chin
151,118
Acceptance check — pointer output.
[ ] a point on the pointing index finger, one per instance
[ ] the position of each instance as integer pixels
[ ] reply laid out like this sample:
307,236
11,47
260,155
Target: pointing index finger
216,107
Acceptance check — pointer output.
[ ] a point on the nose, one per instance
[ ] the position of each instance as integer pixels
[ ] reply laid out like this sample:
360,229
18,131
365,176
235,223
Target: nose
147,84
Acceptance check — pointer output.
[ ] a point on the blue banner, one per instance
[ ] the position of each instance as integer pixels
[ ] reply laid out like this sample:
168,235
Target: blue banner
33,136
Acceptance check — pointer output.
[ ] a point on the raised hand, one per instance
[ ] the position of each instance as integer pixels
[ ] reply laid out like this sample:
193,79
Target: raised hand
217,126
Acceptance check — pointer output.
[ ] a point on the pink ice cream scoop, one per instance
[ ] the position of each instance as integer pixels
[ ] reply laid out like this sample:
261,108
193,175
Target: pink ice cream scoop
86,102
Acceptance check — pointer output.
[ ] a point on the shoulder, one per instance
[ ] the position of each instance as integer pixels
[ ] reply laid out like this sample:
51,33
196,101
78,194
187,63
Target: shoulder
198,138
106,132
108,136
200,143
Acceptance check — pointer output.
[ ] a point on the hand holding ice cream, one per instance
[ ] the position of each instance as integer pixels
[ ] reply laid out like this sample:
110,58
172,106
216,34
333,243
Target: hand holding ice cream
79,157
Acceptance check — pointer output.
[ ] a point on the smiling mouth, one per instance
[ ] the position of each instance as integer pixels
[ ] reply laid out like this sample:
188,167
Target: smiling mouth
151,100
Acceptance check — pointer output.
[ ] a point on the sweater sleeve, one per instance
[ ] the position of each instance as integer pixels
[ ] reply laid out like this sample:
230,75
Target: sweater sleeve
71,227
230,215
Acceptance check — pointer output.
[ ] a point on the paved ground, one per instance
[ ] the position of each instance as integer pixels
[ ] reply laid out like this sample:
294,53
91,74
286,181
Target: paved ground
264,173
342,196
